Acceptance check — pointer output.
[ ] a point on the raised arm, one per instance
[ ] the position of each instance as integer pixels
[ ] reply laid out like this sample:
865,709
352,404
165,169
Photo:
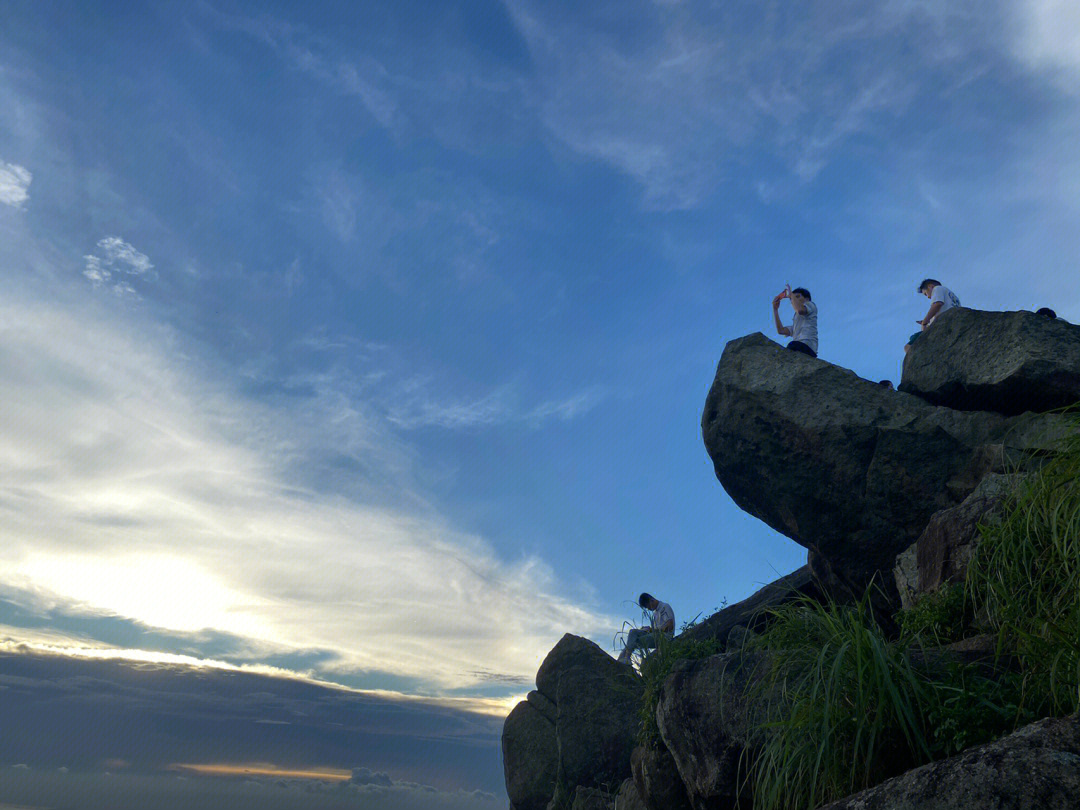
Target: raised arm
780,328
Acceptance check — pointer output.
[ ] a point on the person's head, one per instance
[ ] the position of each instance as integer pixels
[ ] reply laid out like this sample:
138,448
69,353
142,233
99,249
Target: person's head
1049,313
886,384
799,296
927,286
647,601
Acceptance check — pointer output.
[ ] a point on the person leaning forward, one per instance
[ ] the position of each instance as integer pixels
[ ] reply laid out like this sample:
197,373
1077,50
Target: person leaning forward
663,621
942,299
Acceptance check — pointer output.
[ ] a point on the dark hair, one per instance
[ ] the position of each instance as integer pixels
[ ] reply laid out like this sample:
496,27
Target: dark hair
926,282
1049,313
885,383
805,293
644,600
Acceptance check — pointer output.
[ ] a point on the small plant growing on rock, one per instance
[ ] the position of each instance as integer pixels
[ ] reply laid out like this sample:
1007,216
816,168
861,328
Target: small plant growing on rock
943,616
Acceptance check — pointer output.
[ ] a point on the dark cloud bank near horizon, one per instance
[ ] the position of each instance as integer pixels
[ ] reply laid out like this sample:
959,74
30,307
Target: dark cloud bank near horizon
85,733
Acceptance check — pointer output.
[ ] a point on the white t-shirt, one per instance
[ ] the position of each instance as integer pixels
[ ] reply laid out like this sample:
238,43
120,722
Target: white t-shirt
804,327
662,615
946,297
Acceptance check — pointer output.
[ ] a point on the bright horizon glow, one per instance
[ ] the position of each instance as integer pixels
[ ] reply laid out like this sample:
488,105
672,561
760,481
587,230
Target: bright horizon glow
262,769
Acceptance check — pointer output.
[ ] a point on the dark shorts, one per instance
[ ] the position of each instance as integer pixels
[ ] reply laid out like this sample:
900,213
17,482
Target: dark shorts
799,346
914,337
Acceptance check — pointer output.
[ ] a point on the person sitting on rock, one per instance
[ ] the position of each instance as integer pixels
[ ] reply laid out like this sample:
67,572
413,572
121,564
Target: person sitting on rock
1046,312
663,621
803,329
941,299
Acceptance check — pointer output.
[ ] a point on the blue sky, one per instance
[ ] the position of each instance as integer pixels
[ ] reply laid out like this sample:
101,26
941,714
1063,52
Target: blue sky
370,341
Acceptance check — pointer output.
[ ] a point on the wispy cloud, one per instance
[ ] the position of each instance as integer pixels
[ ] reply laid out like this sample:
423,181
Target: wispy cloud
113,259
134,487
14,184
416,406
681,99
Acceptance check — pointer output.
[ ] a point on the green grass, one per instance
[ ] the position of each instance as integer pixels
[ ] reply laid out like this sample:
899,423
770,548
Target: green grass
1025,579
844,706
847,706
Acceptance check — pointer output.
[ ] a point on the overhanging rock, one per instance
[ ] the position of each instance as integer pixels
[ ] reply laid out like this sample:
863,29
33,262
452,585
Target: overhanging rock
840,465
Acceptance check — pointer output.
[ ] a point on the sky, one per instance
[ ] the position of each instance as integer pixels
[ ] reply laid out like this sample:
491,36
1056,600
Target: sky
365,344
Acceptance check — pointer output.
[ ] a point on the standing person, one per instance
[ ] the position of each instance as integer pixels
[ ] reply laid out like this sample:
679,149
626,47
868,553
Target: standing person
663,621
941,300
803,329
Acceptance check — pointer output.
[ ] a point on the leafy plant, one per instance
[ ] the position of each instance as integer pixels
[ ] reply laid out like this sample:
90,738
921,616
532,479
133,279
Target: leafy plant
942,616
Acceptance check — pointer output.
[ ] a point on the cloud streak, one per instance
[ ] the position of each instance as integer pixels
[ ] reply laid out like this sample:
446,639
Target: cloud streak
681,101
132,486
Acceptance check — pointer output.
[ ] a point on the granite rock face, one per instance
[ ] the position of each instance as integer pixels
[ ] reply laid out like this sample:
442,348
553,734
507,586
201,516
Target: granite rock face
1035,768
943,551
657,780
592,799
628,797
577,730
705,722
530,757
1008,362
840,465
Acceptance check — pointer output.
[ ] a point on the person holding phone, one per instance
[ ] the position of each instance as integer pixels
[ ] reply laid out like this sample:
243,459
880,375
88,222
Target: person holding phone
803,329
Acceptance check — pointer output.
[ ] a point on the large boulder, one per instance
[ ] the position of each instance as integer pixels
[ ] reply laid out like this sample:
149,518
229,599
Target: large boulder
749,612
1009,362
530,757
943,551
657,779
705,716
1036,768
842,466
597,702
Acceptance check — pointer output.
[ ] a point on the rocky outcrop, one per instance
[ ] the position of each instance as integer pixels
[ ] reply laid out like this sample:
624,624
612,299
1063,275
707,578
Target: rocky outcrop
577,729
749,612
657,780
1008,362
530,757
856,474
839,464
705,722
943,550
1036,768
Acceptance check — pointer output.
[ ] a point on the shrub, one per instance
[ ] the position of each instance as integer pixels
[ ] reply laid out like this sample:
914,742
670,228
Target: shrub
941,616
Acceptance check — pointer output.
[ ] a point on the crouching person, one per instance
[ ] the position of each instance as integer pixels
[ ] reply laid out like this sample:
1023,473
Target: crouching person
663,621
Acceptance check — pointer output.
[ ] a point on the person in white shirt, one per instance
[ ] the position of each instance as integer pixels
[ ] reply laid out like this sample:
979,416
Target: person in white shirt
941,298
663,621
803,329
